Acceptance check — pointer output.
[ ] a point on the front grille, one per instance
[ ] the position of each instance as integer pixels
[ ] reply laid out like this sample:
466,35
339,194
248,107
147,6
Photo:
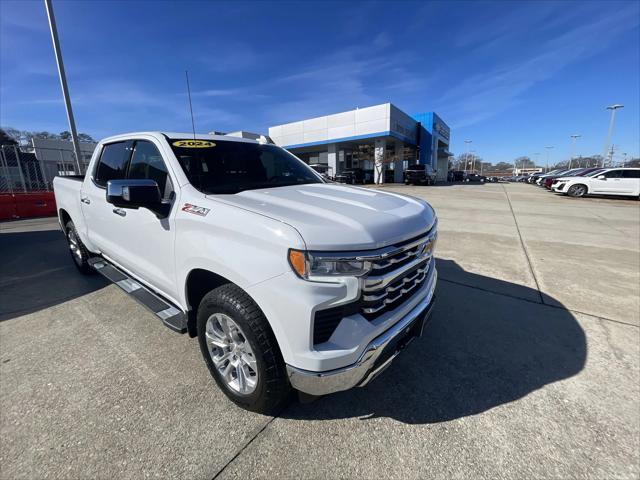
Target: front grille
398,276
378,300
395,277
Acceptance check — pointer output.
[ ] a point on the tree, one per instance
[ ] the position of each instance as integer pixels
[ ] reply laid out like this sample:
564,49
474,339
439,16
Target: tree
504,166
85,137
13,133
66,135
6,139
464,161
633,163
44,134
524,162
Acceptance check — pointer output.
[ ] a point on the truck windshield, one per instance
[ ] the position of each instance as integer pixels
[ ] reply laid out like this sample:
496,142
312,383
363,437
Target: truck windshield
227,167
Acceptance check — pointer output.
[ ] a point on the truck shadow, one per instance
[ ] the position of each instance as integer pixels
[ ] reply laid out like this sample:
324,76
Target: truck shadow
37,272
480,350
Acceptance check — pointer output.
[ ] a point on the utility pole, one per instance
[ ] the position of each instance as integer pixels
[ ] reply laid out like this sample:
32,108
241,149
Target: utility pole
574,137
613,109
63,82
610,162
466,160
549,147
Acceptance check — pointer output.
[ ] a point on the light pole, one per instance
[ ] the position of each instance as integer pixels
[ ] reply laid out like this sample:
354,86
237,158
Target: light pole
613,109
549,147
63,82
574,137
468,142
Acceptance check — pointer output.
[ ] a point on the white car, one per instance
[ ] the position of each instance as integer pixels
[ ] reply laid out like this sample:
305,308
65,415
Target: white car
610,181
286,280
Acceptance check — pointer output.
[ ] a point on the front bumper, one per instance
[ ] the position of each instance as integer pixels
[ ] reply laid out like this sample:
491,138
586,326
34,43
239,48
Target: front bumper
377,356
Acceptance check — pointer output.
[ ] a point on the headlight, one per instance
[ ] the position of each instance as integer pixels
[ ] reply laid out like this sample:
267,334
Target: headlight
308,265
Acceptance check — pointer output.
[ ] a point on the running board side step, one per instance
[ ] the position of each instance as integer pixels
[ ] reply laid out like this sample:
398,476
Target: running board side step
171,316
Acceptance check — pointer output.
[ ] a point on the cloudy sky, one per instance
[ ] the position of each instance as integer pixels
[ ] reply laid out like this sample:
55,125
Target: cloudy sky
511,76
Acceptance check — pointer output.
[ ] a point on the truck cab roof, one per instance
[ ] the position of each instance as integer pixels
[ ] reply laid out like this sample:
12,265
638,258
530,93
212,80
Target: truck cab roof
178,135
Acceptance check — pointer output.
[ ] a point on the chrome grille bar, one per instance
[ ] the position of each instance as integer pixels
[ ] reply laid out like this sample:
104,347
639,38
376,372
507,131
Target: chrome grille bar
388,300
380,281
420,272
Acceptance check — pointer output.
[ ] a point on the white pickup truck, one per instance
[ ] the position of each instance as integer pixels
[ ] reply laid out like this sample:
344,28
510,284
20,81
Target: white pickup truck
289,282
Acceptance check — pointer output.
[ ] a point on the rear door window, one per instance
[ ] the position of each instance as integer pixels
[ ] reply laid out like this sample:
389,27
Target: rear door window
630,173
113,163
613,174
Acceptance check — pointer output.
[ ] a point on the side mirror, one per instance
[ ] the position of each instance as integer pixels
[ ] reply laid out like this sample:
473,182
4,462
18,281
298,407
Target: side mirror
601,177
136,194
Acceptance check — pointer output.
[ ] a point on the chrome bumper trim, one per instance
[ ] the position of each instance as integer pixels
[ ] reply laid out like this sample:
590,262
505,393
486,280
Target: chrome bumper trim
362,371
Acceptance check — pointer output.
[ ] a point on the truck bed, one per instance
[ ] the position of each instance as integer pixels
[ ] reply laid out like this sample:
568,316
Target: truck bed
78,178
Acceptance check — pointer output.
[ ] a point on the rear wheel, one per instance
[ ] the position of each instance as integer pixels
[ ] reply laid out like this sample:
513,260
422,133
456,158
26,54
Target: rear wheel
79,252
241,350
578,190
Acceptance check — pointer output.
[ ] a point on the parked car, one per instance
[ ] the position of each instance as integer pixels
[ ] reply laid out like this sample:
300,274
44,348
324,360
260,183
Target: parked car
474,178
287,281
540,179
610,181
455,176
322,169
582,172
548,180
351,176
419,174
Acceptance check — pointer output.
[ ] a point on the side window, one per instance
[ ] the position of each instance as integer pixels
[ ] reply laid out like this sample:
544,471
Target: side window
630,173
147,163
613,174
113,163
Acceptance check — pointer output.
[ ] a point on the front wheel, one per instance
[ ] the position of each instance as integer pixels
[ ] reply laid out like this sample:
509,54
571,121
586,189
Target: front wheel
577,191
241,350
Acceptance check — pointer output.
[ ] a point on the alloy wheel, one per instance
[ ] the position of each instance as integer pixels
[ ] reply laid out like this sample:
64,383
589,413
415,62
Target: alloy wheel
231,353
74,246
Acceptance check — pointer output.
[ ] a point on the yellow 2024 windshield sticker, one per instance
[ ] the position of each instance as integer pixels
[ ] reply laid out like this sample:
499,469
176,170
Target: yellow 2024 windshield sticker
193,144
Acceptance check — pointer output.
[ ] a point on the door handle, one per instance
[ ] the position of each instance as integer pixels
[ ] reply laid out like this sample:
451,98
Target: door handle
120,211
85,200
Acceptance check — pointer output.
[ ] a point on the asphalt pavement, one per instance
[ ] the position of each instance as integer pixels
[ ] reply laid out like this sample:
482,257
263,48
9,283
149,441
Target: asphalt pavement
529,368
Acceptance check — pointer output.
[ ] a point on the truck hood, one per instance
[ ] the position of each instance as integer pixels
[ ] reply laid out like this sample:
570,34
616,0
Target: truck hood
336,217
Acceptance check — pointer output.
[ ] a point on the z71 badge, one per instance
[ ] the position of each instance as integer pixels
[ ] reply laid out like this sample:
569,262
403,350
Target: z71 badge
195,209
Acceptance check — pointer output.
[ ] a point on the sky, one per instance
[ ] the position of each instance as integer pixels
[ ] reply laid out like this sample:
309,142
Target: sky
513,77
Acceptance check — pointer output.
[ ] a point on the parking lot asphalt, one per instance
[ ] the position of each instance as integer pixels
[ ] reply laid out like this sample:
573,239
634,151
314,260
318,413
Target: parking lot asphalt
529,367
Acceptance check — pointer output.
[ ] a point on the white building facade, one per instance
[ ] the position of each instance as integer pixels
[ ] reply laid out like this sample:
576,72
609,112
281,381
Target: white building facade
381,140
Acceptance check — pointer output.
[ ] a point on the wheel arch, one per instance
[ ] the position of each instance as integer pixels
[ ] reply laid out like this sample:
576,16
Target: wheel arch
64,218
198,283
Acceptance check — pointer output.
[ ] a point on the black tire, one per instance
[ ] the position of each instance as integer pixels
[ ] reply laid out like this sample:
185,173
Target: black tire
577,190
272,390
79,252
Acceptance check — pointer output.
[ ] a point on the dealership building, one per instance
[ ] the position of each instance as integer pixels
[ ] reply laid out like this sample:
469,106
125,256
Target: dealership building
382,140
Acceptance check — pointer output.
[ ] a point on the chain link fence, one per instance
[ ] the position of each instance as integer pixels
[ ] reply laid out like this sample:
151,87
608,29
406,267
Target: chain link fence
33,169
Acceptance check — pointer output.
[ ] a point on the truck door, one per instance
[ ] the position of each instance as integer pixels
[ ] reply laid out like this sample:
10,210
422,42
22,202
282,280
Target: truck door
103,227
147,242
